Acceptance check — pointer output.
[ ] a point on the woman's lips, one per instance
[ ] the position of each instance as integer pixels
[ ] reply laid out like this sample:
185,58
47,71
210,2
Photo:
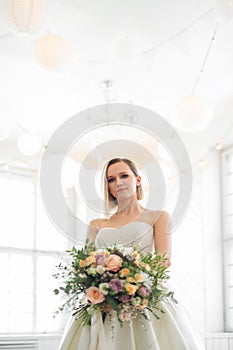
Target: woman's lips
121,189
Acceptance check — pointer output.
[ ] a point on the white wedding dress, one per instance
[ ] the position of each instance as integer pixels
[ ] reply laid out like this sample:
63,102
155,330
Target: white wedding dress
171,332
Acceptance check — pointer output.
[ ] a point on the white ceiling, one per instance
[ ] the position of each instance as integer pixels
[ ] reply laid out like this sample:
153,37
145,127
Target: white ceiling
152,50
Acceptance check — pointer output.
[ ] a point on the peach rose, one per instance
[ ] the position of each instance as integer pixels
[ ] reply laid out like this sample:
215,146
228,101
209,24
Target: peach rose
131,289
90,259
124,272
138,277
94,295
136,255
143,305
82,263
92,253
113,263
130,279
146,266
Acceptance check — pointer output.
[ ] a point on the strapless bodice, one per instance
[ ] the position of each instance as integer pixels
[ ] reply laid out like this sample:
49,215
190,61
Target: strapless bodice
136,233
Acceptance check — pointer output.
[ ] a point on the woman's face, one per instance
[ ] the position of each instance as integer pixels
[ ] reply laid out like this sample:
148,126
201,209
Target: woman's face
122,182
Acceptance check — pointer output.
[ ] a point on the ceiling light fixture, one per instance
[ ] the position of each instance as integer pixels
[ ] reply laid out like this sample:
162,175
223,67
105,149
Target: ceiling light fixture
52,52
25,16
192,112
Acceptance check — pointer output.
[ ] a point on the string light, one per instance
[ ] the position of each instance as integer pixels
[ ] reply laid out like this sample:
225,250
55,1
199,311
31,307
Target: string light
5,167
201,163
202,70
218,146
192,112
28,143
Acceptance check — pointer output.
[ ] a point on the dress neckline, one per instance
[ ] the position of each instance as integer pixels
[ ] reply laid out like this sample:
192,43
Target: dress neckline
120,227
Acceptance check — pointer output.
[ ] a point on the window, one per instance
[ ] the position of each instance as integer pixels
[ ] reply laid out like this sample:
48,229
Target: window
227,220
30,248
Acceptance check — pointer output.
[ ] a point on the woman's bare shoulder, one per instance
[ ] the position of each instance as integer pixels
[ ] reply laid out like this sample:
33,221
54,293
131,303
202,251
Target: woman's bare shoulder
158,215
98,223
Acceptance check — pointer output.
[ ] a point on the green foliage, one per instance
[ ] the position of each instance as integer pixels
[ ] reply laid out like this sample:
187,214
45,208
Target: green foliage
126,282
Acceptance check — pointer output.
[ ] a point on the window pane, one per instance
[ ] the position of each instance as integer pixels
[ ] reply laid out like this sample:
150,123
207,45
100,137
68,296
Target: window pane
230,274
27,301
17,204
48,237
229,184
229,317
231,296
20,322
47,301
228,225
16,292
227,220
228,252
229,204
229,164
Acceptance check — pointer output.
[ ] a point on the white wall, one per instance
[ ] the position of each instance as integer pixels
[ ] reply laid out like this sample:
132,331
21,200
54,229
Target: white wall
188,259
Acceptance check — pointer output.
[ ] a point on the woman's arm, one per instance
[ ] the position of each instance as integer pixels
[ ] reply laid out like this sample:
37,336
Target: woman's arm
92,230
162,237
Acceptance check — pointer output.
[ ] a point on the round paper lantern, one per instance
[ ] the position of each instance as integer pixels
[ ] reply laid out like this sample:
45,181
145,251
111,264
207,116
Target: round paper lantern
192,114
25,16
52,52
6,120
224,11
29,144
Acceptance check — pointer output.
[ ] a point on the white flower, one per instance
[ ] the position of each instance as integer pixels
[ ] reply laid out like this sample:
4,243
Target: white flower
100,269
147,280
126,250
83,299
82,275
101,251
103,287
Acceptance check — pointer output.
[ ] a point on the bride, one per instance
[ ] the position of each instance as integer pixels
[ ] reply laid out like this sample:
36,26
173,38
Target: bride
132,225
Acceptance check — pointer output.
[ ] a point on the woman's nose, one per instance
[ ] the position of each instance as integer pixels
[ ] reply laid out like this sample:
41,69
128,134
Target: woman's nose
119,182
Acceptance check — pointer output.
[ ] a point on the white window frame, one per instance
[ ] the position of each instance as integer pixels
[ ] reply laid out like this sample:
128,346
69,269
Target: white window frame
226,238
33,251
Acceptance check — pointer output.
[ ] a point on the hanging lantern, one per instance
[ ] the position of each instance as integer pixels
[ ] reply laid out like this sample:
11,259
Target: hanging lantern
25,16
224,11
6,120
192,114
52,52
29,144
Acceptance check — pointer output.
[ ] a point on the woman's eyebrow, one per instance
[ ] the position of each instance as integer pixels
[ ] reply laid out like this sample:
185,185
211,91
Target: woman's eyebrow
122,172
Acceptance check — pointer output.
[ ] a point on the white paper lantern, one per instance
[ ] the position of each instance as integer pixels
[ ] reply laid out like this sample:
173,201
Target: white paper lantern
52,52
224,11
6,120
192,114
29,144
25,16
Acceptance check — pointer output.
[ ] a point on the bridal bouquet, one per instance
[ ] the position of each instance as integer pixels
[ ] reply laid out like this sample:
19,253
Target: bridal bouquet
118,280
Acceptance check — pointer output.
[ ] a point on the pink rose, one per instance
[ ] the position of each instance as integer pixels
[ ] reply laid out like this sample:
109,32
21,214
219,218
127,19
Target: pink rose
94,295
113,263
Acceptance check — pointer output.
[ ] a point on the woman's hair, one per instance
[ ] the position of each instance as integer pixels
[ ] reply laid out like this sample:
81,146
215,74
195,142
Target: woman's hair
110,200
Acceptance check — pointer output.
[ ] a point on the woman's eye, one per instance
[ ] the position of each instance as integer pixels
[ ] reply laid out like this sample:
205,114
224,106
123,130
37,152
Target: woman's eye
124,176
110,180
